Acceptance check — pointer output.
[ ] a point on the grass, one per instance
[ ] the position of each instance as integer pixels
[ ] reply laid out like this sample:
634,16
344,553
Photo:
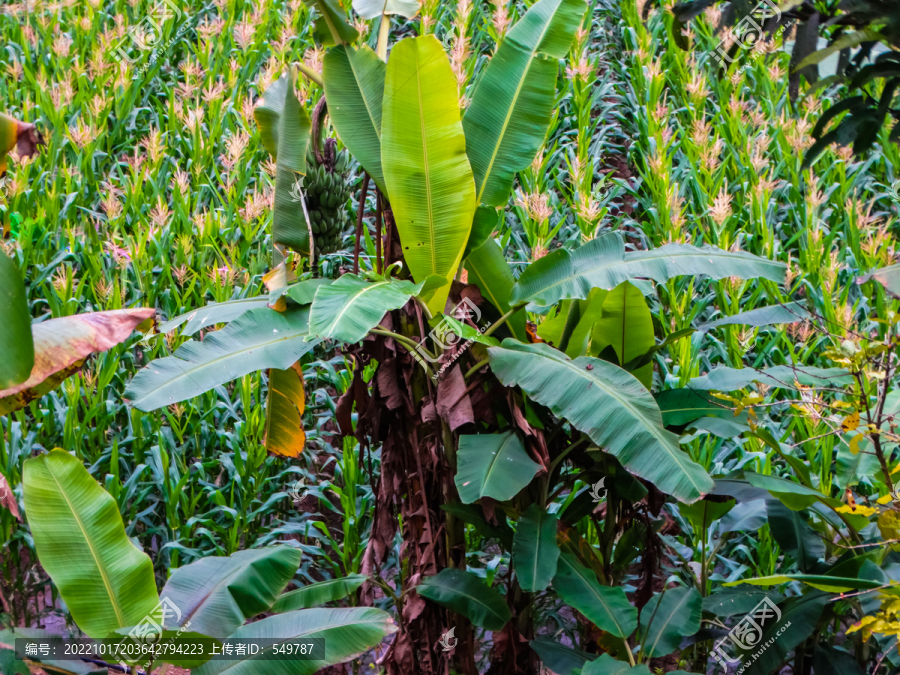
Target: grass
157,192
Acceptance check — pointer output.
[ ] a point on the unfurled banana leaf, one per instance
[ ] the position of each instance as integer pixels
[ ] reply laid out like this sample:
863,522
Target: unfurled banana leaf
331,26
535,551
106,582
423,152
289,225
485,222
783,377
822,582
607,665
603,263
492,465
61,346
668,617
217,312
790,312
260,339
490,271
16,344
350,307
626,326
370,9
610,406
467,594
319,593
347,633
511,108
285,404
606,606
218,595
284,124
354,90
304,292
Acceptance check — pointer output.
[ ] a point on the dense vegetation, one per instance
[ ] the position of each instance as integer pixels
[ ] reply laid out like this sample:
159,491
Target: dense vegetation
467,337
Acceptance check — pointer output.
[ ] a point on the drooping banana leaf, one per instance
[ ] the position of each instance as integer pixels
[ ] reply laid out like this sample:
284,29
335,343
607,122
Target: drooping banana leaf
218,595
285,404
347,633
61,346
350,307
535,551
790,312
783,377
104,579
469,595
626,326
319,593
492,465
332,27
511,108
423,152
668,617
889,277
16,344
490,271
603,263
289,225
261,338
354,90
370,9
605,606
283,124
217,312
609,405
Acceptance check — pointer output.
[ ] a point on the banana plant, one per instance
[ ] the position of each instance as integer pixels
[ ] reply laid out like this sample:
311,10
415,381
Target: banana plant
109,587
478,418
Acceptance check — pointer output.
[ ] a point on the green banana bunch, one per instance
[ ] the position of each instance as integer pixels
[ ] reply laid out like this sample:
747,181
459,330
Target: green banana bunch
327,193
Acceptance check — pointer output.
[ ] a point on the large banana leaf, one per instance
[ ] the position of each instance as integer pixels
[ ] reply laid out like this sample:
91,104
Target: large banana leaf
606,606
369,9
319,593
284,124
490,271
423,152
351,307
535,551
513,102
492,465
467,594
790,312
217,312
607,665
610,406
218,595
261,338
783,377
354,90
668,617
331,25
289,226
61,346
16,344
105,581
347,633
285,404
603,263
626,326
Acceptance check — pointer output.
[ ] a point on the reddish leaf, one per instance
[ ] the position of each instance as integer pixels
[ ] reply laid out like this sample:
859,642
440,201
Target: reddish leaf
22,136
8,499
61,346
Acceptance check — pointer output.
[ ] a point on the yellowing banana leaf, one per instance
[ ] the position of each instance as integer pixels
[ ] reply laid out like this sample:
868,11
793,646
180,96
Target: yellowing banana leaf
511,108
610,406
61,346
286,402
16,344
423,152
22,136
259,339
822,582
106,582
354,90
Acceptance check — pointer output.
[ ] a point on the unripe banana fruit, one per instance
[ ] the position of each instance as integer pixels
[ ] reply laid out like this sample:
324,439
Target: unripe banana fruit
327,193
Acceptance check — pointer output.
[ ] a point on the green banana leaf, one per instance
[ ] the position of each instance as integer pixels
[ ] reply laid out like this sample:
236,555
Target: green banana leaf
217,312
782,377
682,406
219,594
794,535
261,338
105,581
370,9
605,606
289,225
603,263
350,307
331,26
354,90
626,326
610,406
535,551
304,292
347,633
889,277
285,404
16,344
607,665
283,124
823,582
513,102
490,271
492,465
668,617
790,312
423,152
469,595
61,346
319,593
